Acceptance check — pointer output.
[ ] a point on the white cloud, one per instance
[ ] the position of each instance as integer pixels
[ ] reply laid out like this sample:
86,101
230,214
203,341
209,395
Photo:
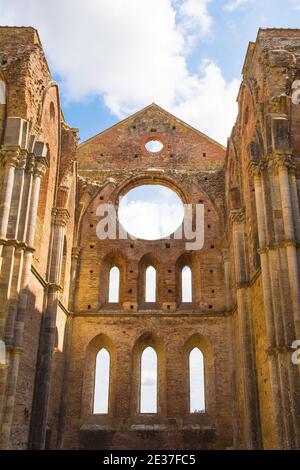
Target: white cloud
195,12
234,4
157,214
131,54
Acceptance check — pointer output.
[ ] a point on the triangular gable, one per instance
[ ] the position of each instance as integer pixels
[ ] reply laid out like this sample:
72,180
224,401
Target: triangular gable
161,110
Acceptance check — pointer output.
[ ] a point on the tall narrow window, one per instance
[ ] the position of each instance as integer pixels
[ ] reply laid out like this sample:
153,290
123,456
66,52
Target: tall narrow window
150,291
114,285
197,390
101,390
186,284
148,381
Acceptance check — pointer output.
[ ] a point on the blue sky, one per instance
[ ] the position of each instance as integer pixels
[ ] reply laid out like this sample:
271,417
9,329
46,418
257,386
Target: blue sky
113,57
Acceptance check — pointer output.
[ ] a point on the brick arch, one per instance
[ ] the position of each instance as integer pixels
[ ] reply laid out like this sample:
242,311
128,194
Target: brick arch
148,259
94,346
143,179
111,259
197,340
192,261
149,339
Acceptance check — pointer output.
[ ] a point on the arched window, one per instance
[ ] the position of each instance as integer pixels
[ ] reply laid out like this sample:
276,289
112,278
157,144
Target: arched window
101,389
114,285
150,291
148,394
197,385
186,284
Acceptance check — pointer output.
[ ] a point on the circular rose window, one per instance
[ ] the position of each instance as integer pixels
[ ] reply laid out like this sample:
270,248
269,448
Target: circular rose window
151,211
154,146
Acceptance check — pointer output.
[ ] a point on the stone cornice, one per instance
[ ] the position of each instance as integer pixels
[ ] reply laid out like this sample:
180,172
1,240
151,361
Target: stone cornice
280,349
17,244
277,245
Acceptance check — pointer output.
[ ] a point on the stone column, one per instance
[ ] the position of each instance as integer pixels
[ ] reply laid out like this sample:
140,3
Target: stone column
251,421
227,277
20,235
73,278
290,239
39,415
39,170
278,231
9,159
255,170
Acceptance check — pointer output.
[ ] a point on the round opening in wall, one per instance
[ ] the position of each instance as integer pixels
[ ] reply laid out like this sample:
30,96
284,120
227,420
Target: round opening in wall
150,211
154,146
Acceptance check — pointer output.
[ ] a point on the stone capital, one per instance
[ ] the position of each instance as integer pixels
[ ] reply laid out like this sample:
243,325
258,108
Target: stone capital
10,155
23,159
30,163
60,216
40,167
237,216
76,252
278,162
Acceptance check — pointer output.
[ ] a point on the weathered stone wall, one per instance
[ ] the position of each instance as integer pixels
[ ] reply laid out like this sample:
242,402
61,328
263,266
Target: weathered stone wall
54,310
171,336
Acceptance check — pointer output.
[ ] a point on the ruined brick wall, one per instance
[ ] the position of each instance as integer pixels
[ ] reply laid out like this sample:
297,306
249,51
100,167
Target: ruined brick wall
244,313
110,164
264,219
32,101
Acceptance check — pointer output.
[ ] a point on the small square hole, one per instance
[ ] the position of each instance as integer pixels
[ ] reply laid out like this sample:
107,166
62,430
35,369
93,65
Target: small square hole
168,245
131,246
170,291
131,307
204,154
210,306
89,307
92,246
130,290
91,271
212,246
101,198
169,270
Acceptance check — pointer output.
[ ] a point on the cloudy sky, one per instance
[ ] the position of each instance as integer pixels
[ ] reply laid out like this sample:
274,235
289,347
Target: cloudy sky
113,57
